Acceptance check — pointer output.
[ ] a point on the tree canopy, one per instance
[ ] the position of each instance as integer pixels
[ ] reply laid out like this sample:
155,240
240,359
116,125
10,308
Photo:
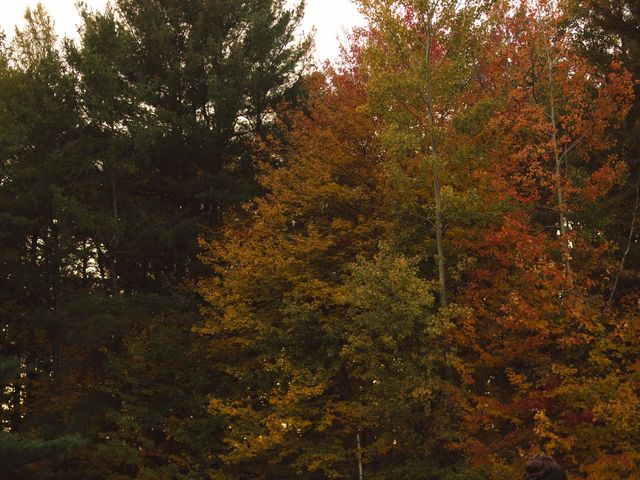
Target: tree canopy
218,261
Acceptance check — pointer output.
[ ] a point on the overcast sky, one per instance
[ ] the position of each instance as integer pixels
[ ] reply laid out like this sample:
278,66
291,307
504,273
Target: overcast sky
329,17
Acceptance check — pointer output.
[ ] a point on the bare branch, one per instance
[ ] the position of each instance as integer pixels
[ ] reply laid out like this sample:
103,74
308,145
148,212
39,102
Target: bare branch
629,242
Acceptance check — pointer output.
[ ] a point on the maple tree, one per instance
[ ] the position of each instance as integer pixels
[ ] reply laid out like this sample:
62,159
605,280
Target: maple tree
539,290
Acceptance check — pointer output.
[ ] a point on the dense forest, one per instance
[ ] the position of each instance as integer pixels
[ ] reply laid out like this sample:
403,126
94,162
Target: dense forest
422,262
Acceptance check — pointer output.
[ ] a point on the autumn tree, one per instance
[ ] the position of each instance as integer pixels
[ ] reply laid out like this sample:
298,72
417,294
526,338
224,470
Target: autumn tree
328,337
273,316
537,291
420,61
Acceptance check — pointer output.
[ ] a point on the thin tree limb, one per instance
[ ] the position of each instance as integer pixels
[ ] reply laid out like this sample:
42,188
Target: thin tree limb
629,241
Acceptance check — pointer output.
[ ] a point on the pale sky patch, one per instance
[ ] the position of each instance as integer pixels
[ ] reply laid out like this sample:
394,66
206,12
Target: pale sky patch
331,19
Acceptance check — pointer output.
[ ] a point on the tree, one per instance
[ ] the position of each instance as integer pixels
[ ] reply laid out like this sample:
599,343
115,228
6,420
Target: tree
279,302
175,94
17,451
117,152
604,31
419,60
540,323
43,213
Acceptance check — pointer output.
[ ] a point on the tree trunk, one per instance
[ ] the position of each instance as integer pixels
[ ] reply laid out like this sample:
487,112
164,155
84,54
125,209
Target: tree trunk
632,229
562,208
115,239
55,269
437,180
359,456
